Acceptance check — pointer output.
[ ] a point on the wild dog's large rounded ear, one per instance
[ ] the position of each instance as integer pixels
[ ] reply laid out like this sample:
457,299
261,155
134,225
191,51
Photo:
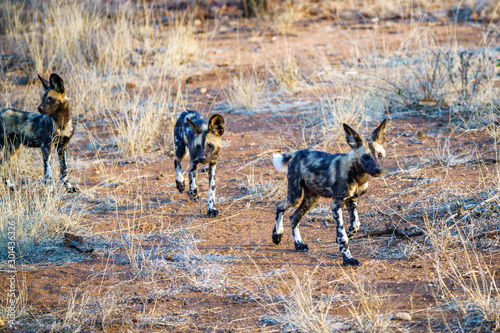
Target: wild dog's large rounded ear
193,126
45,83
216,125
56,83
379,134
353,139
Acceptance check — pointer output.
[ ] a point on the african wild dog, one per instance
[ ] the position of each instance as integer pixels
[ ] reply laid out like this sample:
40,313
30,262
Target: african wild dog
342,177
53,126
202,138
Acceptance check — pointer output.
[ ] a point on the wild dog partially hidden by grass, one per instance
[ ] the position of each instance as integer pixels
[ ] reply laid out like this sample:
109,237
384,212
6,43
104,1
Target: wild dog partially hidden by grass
54,126
342,177
202,138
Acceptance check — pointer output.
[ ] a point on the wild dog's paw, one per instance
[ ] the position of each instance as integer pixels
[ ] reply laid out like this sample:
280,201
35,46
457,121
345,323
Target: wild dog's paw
180,186
351,232
212,212
277,238
72,189
10,185
193,194
350,262
301,247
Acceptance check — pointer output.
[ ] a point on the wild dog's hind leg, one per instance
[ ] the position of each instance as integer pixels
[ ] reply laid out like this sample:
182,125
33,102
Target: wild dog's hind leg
180,152
292,199
342,239
193,188
211,210
9,150
352,208
308,201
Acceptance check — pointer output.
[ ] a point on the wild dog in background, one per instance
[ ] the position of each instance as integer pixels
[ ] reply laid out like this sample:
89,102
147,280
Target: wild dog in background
53,126
342,177
202,138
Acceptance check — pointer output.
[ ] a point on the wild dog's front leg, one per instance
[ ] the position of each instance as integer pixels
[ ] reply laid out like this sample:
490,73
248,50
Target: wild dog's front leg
211,210
352,208
180,152
193,188
61,152
179,178
342,239
47,172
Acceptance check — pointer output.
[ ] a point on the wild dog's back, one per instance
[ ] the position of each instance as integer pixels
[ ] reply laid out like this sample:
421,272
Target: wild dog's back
30,128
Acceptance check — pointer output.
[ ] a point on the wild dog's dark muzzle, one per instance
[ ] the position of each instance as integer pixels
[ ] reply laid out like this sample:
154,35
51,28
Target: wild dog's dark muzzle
377,172
201,159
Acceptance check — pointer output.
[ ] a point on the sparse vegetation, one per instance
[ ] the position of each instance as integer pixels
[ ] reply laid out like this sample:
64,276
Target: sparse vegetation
286,79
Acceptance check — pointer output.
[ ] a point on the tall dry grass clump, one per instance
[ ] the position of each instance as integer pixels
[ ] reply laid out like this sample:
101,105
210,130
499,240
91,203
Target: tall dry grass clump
469,288
118,61
295,306
33,218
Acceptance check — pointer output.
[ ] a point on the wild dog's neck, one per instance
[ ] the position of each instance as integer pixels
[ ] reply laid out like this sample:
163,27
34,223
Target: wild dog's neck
62,116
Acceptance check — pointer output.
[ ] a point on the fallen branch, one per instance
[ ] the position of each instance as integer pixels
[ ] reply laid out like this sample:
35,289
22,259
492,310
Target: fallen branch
391,231
487,234
484,161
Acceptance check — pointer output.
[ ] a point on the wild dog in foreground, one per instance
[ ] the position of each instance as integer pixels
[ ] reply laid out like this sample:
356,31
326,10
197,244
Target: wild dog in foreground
53,126
202,138
342,177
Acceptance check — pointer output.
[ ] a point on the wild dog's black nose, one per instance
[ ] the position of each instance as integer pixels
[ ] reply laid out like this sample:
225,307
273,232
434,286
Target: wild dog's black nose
378,170
201,159
40,109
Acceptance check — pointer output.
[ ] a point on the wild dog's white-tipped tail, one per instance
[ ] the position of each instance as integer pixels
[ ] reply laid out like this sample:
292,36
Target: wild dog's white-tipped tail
278,162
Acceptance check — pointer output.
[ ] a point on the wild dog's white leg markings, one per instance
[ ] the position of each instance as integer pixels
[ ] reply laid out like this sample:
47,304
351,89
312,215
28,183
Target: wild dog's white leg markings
278,224
192,180
211,188
10,184
352,206
296,236
47,177
342,239
193,188
179,177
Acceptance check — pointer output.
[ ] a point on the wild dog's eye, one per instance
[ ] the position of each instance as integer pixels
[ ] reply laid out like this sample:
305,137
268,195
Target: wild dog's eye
366,156
380,155
51,99
210,145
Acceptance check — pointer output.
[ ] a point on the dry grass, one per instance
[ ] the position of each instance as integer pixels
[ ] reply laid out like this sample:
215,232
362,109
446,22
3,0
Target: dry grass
36,215
246,92
295,306
469,288
126,72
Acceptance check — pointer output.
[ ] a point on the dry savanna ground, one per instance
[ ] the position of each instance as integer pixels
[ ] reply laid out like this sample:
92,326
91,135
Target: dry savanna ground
286,79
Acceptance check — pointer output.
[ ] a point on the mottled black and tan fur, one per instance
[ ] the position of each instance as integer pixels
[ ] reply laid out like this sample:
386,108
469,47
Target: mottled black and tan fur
202,138
342,177
54,126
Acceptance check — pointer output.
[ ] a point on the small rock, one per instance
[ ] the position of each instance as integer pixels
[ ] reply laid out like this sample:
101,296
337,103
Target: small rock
405,316
203,90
